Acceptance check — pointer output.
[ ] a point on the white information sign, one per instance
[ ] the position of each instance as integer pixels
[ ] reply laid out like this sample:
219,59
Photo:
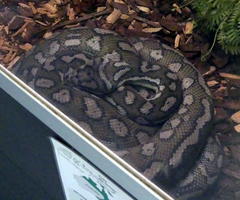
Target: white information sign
82,181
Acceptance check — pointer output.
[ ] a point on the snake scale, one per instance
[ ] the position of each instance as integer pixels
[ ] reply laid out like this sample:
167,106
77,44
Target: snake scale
141,98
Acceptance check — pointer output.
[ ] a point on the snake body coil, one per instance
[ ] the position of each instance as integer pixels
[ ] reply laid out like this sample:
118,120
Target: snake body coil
140,97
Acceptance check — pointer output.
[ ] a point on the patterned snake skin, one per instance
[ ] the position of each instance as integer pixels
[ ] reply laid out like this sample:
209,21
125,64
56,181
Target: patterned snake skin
141,98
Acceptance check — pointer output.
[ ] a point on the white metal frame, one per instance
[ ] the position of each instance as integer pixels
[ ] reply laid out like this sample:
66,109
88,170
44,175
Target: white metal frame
107,161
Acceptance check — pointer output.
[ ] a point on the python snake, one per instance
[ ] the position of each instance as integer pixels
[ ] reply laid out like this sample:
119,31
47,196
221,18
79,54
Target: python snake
141,98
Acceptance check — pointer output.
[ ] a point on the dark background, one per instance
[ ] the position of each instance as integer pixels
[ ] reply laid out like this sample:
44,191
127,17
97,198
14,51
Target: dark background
27,165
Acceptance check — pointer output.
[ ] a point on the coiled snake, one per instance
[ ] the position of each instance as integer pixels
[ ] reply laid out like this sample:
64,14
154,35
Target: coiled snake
140,97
